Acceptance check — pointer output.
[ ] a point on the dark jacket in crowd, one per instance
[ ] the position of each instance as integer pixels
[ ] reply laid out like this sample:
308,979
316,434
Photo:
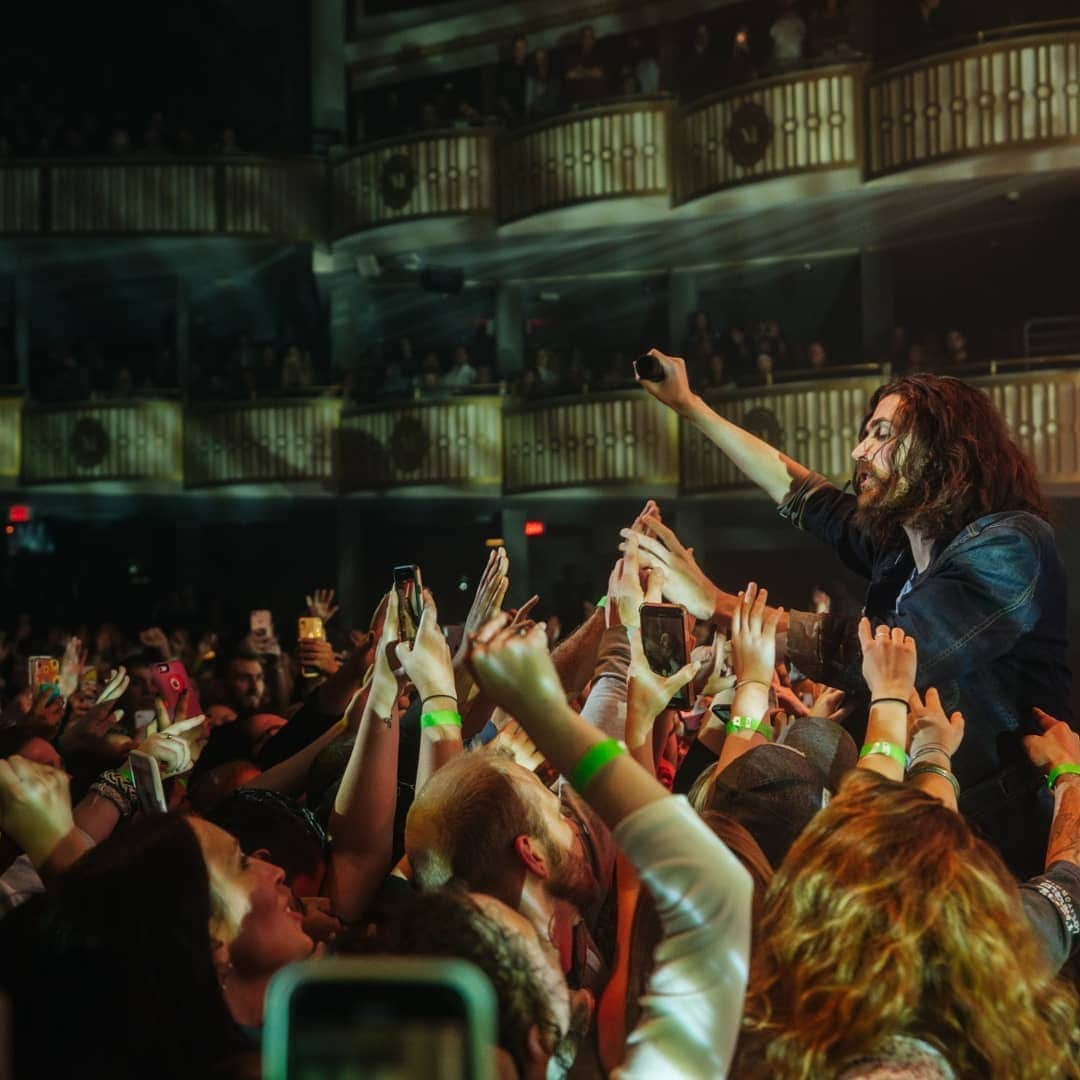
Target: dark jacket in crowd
989,615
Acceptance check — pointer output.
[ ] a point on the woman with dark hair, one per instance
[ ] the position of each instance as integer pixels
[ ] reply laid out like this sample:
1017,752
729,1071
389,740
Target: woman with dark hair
948,524
142,957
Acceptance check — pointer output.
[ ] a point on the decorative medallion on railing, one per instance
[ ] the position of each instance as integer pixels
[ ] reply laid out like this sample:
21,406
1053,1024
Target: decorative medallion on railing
132,440
792,124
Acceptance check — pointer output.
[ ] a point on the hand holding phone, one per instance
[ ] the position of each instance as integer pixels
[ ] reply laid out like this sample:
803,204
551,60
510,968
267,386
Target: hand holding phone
172,680
409,586
44,672
310,628
663,639
148,788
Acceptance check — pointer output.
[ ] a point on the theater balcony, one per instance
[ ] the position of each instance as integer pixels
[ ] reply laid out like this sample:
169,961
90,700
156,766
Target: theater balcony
596,444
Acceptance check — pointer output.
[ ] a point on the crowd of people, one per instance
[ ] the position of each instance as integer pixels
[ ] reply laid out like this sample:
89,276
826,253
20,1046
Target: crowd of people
239,369
790,844
37,121
529,85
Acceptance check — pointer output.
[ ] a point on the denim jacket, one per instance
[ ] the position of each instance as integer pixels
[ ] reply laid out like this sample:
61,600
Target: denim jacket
988,615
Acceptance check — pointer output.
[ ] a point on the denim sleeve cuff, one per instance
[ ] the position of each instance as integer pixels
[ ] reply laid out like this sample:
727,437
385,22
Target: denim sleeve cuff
794,503
825,648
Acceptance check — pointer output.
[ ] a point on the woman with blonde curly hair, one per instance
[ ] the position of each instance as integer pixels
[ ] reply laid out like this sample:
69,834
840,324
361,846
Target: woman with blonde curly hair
891,933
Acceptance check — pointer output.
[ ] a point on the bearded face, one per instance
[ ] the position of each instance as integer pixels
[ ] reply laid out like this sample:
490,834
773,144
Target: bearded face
879,489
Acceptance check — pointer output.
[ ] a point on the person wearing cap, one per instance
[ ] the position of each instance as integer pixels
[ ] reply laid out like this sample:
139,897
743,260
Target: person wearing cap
947,523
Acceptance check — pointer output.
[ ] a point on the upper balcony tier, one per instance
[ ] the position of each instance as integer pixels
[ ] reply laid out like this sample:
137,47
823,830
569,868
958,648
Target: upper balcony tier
485,444
1010,106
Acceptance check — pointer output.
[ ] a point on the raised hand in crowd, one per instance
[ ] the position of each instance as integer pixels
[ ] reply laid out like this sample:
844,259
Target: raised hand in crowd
318,654
1056,750
361,824
889,659
47,711
685,582
72,666
321,605
35,811
753,660
648,697
176,740
933,739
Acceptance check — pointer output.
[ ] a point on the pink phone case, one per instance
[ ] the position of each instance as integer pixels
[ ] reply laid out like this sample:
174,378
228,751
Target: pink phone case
171,680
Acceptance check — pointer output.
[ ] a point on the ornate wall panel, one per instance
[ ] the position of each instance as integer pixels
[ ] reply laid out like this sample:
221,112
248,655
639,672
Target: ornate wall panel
788,125
131,440
286,199
444,173
257,442
602,153
455,443
133,197
816,423
991,97
10,435
603,441
1042,410
20,199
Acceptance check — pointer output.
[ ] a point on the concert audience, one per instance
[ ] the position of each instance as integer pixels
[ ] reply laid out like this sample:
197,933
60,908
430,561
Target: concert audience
476,792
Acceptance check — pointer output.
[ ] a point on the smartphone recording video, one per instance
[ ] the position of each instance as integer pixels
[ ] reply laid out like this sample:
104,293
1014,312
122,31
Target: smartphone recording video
663,637
409,587
44,671
379,1017
171,680
310,628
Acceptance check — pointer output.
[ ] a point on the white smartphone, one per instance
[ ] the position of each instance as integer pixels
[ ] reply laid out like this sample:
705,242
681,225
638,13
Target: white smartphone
148,788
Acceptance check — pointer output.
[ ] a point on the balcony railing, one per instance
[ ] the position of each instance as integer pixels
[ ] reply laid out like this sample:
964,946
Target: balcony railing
602,441
607,152
457,443
438,174
611,440
252,197
262,442
1007,95
802,122
1010,94
10,436
123,440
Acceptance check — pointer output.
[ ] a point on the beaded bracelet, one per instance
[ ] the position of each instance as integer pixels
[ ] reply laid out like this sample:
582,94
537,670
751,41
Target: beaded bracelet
888,749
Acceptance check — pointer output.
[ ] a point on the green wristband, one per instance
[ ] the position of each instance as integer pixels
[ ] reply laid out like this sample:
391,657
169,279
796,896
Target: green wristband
888,749
1061,770
602,602
593,760
748,723
440,718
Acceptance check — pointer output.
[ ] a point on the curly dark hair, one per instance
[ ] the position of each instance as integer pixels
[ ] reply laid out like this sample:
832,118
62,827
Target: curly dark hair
959,461
449,922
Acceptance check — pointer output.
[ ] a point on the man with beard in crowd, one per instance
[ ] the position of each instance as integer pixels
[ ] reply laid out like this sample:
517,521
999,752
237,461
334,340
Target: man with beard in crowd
949,525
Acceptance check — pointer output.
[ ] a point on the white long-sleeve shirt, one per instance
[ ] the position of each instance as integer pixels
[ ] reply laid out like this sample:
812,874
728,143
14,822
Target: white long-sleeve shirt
692,1008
